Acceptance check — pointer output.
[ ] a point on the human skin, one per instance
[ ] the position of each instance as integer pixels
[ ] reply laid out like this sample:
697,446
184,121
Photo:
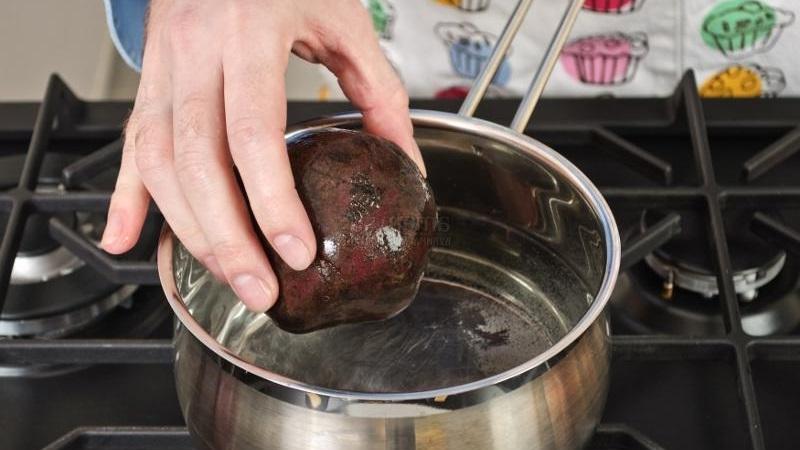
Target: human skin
211,97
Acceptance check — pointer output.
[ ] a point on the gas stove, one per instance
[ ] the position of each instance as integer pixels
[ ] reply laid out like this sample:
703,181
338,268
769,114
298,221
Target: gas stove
705,317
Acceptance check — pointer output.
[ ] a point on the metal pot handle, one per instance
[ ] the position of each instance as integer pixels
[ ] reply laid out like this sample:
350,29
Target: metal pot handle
543,71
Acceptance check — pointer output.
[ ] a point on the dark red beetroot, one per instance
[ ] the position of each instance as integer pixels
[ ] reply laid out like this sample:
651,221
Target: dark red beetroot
374,217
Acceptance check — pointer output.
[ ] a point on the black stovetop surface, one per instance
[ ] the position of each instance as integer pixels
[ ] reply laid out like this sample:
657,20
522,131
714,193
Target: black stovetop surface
694,161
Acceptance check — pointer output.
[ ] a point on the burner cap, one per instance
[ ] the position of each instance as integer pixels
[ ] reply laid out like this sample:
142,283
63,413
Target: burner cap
36,239
638,306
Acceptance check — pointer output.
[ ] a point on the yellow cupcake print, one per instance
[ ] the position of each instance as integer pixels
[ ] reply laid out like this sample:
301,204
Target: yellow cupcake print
744,81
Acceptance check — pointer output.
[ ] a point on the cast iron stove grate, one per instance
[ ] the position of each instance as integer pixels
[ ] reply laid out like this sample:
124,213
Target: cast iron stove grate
725,390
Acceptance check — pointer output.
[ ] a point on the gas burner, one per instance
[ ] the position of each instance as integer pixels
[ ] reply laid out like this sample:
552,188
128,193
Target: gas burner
683,262
746,282
640,307
40,258
38,268
674,290
53,292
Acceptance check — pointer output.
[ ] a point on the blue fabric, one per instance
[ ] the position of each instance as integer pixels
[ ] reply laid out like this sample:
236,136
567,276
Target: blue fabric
126,25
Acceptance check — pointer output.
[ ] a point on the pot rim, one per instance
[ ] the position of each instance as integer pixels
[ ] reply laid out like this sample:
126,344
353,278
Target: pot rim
441,120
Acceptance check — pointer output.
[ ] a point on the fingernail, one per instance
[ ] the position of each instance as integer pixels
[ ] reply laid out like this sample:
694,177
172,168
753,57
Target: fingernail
253,292
212,265
113,230
292,251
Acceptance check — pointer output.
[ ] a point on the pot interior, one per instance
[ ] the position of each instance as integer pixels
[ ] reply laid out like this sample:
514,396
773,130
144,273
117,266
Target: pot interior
519,256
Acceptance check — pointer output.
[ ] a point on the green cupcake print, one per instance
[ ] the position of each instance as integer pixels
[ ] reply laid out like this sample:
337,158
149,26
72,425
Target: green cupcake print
740,28
382,13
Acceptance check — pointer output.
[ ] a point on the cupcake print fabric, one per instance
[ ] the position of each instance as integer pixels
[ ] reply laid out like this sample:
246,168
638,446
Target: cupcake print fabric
741,28
605,59
737,48
383,15
744,81
744,48
469,50
613,6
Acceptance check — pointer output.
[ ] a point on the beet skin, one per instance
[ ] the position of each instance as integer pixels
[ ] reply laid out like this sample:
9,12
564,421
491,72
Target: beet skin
374,218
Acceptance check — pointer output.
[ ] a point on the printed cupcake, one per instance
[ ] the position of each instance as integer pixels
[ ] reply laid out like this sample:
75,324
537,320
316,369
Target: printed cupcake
452,93
606,59
470,49
744,81
467,5
383,16
613,6
740,28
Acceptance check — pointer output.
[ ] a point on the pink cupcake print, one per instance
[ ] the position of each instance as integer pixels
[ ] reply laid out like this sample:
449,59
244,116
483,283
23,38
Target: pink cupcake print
605,59
613,6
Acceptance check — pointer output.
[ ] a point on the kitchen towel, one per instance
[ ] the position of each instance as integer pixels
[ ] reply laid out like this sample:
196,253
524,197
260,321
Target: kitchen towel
737,48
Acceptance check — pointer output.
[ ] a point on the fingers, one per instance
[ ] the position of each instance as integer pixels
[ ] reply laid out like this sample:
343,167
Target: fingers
255,110
154,160
369,81
205,174
149,144
129,202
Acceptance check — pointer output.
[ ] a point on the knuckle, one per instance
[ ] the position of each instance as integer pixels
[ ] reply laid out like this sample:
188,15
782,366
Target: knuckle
230,253
251,134
150,152
241,13
192,168
396,100
197,248
307,49
319,30
146,95
363,20
399,96
329,44
335,45
279,194
244,132
182,27
120,198
149,162
128,183
129,133
190,119
195,241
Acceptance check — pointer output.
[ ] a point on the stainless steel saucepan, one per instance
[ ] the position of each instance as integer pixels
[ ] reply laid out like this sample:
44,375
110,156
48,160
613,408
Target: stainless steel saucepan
505,347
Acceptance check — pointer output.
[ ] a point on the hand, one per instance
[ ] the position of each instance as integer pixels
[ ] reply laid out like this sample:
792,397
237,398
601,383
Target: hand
211,96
